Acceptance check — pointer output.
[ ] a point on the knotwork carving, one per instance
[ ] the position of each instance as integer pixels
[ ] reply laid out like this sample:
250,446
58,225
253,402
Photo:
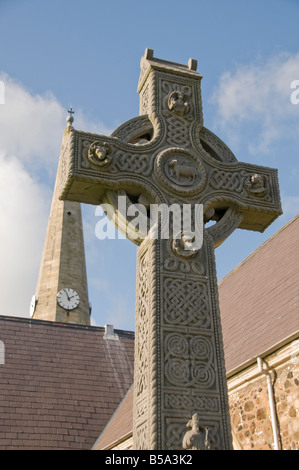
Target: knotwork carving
144,100
178,131
142,349
141,433
186,302
256,185
102,154
190,400
138,163
177,109
232,181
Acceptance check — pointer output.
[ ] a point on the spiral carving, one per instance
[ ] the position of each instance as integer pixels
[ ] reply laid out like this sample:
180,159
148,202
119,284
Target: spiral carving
177,345
201,348
189,360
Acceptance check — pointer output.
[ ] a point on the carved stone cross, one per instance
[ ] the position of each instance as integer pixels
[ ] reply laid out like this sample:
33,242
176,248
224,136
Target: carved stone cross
166,156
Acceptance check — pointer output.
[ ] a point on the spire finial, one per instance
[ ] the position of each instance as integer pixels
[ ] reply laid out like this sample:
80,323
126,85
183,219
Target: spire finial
70,118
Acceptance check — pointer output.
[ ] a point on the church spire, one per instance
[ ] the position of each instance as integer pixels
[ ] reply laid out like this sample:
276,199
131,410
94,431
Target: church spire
61,292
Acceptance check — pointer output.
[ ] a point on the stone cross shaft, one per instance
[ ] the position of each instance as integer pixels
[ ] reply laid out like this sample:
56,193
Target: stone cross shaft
166,156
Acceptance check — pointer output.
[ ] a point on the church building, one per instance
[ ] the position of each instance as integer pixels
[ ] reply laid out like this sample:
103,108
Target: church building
68,385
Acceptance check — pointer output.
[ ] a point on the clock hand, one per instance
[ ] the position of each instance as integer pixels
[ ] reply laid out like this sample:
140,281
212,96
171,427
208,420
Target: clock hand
66,294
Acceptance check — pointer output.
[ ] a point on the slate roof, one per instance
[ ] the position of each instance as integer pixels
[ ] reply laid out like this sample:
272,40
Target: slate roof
60,383
119,426
259,299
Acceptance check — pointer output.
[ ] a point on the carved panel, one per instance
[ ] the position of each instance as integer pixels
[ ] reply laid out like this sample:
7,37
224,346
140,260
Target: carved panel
246,184
228,180
177,110
191,399
139,164
189,360
142,351
176,430
186,302
184,374
144,100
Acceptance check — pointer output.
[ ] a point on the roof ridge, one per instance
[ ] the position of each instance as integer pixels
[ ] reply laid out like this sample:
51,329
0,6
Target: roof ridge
60,324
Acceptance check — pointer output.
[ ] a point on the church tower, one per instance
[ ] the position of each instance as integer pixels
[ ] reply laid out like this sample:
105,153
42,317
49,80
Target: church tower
61,292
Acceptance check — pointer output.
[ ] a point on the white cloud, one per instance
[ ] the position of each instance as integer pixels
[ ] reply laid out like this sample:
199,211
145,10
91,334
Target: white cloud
31,126
85,123
24,209
31,131
257,98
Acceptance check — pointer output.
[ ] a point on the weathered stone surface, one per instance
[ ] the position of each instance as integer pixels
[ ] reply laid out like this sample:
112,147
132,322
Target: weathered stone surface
166,156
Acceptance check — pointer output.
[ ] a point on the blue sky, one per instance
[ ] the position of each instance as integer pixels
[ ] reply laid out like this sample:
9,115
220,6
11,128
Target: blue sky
87,54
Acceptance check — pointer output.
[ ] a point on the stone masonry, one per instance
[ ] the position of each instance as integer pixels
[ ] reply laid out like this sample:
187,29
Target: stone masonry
63,263
250,409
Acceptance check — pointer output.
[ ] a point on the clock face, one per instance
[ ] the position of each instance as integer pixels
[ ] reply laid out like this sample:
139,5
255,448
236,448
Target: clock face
68,298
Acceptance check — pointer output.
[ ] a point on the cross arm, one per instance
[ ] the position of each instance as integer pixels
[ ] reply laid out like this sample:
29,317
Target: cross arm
252,189
92,164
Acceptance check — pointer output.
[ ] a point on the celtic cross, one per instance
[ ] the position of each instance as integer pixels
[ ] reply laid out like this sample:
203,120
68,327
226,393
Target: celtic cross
166,156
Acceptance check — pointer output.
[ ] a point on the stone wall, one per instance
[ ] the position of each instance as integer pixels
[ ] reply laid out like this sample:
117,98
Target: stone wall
249,403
